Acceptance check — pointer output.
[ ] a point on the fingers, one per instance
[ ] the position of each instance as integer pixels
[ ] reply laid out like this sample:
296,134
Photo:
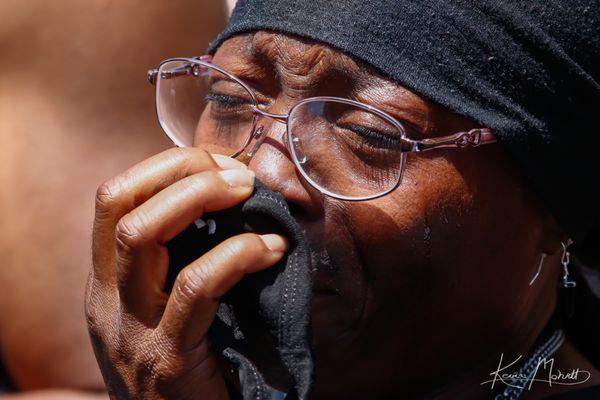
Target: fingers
142,257
136,213
123,193
194,300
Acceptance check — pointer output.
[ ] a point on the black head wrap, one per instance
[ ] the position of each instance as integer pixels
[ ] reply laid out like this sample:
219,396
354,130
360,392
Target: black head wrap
527,69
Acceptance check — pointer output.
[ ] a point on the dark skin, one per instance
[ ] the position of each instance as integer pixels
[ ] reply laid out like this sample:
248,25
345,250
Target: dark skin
426,286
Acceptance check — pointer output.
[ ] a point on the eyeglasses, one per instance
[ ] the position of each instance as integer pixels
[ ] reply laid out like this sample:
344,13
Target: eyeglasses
345,149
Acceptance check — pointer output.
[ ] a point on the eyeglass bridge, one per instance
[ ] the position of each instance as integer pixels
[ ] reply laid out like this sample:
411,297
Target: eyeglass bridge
283,118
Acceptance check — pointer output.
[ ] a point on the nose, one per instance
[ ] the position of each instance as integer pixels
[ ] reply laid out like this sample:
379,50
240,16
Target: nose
273,165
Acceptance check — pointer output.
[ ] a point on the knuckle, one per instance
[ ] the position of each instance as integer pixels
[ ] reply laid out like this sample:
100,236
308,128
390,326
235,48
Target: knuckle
191,283
187,158
194,153
251,244
179,155
204,180
242,251
237,246
129,232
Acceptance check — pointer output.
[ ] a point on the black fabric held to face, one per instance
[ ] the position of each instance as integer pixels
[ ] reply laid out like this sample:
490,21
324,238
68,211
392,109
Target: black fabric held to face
528,70
267,312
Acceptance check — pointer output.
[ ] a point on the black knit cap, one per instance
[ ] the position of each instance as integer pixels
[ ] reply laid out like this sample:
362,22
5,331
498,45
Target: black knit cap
527,69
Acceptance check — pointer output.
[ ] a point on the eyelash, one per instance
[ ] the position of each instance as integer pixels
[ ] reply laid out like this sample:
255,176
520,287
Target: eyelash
376,139
225,100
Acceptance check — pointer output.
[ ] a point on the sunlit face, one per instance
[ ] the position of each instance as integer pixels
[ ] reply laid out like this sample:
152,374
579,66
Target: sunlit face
411,281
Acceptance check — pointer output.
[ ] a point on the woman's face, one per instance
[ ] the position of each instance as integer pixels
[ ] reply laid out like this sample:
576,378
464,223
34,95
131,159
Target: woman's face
431,277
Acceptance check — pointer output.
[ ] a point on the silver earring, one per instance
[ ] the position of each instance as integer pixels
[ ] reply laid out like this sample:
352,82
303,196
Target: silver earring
566,259
542,258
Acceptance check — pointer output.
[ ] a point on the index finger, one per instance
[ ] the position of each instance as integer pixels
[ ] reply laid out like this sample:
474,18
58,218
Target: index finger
126,191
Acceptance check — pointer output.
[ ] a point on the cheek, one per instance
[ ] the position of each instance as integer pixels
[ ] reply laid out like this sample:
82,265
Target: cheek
438,250
403,239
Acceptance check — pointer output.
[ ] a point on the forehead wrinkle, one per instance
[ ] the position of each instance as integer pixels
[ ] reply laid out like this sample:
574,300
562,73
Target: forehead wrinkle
300,63
237,57
247,70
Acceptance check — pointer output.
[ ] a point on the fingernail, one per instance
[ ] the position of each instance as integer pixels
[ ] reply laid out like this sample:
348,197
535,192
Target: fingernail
225,162
238,177
275,243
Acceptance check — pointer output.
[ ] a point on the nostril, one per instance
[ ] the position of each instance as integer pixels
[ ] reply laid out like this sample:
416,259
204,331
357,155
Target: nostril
297,211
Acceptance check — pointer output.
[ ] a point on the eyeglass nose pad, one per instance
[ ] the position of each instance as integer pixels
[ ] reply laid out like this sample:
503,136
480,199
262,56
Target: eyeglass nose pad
258,136
298,150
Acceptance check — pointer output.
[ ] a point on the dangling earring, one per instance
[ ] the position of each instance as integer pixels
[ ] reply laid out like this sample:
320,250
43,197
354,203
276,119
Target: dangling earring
566,259
542,258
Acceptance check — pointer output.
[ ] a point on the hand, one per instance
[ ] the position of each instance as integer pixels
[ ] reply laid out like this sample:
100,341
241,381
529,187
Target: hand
151,345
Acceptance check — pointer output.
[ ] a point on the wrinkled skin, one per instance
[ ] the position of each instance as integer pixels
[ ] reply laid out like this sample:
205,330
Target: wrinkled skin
425,288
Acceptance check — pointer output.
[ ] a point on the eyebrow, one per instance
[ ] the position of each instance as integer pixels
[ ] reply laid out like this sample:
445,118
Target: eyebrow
246,69
414,118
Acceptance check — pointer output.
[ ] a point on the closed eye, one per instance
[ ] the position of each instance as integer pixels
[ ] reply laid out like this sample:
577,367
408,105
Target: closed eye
226,101
374,138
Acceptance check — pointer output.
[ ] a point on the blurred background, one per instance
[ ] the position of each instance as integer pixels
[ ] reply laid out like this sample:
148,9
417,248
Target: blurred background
75,110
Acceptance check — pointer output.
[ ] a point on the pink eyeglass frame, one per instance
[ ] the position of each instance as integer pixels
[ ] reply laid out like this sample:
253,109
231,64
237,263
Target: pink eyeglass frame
472,138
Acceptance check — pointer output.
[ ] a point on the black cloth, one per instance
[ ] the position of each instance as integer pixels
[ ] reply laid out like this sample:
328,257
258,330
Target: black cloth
528,70
267,313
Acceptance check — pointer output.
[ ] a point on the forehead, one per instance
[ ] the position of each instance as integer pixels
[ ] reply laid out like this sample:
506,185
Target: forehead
300,54
293,56
301,65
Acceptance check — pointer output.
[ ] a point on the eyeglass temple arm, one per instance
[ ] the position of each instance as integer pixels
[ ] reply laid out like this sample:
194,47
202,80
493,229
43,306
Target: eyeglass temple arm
152,74
472,138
